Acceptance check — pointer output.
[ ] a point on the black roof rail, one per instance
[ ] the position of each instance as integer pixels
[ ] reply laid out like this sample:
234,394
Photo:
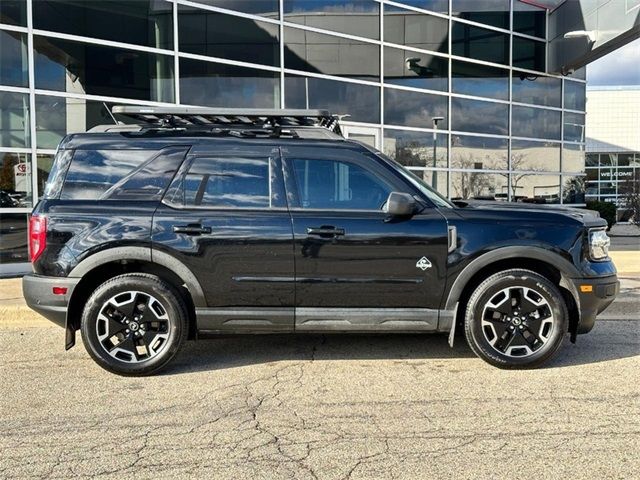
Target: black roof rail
228,118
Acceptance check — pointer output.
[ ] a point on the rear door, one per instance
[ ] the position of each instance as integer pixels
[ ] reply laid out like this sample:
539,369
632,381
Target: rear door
225,218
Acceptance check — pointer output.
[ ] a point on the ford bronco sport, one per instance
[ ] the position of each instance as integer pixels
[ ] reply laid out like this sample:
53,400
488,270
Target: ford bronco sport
207,222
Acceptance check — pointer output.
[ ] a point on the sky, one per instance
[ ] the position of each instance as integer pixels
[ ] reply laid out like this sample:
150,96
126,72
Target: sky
620,67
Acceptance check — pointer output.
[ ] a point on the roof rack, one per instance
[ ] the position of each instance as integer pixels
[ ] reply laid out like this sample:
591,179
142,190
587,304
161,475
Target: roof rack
272,120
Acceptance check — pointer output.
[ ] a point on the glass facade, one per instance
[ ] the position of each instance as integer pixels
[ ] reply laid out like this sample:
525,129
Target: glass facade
456,90
611,177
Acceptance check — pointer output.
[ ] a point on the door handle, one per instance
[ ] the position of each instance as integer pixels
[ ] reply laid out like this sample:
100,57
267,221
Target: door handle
191,229
325,231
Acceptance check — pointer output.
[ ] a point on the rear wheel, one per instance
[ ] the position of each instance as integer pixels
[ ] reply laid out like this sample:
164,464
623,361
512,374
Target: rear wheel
516,319
134,324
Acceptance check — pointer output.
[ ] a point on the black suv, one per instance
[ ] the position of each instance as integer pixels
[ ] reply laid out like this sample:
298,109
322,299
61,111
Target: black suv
209,222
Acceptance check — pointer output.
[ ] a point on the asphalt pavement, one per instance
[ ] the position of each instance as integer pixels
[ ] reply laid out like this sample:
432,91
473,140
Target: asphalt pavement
325,407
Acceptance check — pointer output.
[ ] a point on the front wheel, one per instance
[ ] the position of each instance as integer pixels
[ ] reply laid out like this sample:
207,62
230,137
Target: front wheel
516,319
134,324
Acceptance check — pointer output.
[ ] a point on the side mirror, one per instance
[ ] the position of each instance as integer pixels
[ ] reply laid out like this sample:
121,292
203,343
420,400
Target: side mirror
400,204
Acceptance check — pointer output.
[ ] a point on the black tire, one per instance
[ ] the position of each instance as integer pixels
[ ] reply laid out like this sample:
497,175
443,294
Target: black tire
158,312
502,339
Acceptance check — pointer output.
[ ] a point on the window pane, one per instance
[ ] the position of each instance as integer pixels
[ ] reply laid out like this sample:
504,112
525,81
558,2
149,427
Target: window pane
331,55
412,69
480,80
14,119
414,29
96,70
93,172
354,17
13,232
535,123
479,43
142,22
361,102
13,12
479,117
529,54
535,156
414,109
415,149
218,85
438,6
45,162
533,188
218,35
13,59
336,185
266,8
574,127
591,160
573,158
477,153
489,12
537,90
529,19
437,179
574,95
574,189
228,182
478,185
15,180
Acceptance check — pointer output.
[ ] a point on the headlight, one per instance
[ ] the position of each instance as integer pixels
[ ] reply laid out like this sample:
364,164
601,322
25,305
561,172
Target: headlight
599,243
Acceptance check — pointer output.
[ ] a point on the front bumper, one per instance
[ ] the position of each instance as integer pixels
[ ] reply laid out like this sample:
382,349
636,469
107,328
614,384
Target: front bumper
594,295
38,293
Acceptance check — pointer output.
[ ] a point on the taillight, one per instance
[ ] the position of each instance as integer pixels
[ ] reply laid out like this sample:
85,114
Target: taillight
37,236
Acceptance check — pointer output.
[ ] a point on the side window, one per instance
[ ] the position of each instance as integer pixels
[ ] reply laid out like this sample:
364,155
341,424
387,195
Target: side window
228,182
330,184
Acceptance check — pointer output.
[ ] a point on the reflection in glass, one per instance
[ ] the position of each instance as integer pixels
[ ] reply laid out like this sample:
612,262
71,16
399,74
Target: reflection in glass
437,179
414,29
415,149
414,109
13,59
14,119
591,160
354,17
13,12
533,188
218,85
412,69
331,55
265,8
529,54
479,117
479,43
77,67
15,180
13,232
573,157
45,162
361,102
141,22
529,19
438,6
479,80
489,12
236,38
479,186
535,122
574,127
537,90
574,95
479,153
535,156
574,189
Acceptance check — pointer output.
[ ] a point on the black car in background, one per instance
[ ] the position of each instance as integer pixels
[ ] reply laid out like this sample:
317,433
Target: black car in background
208,222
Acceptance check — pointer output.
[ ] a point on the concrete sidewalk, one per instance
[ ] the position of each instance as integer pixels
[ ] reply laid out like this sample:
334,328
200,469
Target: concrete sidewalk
14,313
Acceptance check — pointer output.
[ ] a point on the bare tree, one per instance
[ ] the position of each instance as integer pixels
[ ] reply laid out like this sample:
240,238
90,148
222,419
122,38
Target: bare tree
630,188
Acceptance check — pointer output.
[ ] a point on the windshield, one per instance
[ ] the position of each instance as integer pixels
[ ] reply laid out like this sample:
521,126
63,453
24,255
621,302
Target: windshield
433,195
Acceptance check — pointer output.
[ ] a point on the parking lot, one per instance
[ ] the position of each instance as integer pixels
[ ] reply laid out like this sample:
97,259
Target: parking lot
326,407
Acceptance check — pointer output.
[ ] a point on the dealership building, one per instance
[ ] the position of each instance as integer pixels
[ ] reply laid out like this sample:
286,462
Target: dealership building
482,98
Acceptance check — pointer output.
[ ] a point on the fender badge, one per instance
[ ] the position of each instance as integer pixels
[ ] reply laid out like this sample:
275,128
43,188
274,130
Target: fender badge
423,264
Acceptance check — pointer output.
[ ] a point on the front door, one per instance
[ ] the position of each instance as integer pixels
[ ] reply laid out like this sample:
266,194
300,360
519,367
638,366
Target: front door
355,268
225,218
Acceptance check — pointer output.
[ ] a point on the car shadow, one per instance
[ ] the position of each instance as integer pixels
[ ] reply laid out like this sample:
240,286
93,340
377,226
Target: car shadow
610,340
